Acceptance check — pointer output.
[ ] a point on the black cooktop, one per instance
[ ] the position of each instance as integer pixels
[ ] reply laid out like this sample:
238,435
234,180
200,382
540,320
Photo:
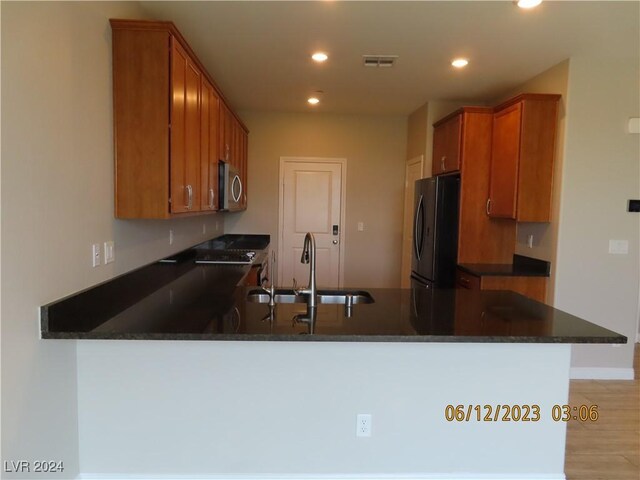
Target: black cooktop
226,257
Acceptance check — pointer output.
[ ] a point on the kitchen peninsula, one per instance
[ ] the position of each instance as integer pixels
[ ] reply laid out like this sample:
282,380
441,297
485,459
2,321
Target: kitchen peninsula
411,359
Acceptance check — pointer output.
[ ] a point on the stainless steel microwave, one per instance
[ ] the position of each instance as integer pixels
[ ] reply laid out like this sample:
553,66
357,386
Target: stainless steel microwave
230,187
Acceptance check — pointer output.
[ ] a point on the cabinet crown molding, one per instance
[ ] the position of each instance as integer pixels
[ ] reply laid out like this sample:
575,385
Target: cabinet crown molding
486,110
544,97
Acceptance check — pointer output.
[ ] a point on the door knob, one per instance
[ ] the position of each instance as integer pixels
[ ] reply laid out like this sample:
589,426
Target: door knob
335,242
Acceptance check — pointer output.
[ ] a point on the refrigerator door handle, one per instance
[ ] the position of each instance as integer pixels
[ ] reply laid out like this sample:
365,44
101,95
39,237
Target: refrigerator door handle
418,236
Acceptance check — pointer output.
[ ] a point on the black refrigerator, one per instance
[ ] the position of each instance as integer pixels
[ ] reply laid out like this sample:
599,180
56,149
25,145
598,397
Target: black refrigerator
435,232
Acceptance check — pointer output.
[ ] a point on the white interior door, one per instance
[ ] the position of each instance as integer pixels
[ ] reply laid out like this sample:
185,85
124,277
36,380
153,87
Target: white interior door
311,200
413,172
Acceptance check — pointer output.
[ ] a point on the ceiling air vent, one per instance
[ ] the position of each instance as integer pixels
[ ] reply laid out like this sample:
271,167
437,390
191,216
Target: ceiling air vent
386,61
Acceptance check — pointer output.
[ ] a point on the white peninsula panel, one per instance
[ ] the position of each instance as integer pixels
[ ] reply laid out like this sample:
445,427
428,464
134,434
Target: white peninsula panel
181,409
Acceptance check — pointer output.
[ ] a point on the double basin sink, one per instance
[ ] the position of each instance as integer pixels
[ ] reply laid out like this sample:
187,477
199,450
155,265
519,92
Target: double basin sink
327,297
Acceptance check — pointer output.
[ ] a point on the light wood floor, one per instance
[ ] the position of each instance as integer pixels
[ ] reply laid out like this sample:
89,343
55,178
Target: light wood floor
608,449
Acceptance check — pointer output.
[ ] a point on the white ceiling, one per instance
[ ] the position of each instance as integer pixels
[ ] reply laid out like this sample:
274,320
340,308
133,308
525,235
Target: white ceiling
258,52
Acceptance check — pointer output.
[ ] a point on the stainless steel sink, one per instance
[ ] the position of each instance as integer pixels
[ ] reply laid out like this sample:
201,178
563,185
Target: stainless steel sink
332,297
341,297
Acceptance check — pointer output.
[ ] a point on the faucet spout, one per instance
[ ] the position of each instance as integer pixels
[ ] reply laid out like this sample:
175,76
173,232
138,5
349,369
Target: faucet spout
309,256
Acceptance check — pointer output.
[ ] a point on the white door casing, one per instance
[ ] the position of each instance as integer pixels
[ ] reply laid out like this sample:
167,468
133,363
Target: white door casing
312,199
413,172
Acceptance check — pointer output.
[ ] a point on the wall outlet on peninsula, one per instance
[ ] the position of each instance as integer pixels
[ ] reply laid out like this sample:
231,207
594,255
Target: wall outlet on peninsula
363,425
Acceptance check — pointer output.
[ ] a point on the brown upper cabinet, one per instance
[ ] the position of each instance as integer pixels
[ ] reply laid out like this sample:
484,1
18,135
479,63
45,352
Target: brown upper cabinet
209,128
447,143
168,119
185,131
522,156
233,148
467,134
226,133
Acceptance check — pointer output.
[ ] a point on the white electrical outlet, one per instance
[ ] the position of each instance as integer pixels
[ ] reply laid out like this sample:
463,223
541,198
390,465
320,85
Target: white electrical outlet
109,252
361,226
530,241
363,425
170,237
95,253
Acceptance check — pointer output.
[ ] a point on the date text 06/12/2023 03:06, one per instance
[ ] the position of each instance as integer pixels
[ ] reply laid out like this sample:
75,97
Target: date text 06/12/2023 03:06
519,413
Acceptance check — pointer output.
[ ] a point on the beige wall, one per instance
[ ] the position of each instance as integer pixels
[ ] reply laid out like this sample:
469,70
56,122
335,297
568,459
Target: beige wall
374,147
57,199
601,173
417,132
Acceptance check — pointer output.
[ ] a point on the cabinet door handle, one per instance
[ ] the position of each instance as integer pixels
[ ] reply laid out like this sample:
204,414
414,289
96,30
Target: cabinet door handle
189,197
226,155
211,198
442,162
488,207
418,222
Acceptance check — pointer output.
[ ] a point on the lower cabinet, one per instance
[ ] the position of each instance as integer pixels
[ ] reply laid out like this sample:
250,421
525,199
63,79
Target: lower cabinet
532,287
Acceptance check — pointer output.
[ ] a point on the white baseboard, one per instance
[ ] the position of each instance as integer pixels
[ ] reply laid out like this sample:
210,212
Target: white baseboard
586,373
446,476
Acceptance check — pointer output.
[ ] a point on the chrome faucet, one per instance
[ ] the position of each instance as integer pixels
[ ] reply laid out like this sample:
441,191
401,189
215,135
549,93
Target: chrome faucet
309,256
271,291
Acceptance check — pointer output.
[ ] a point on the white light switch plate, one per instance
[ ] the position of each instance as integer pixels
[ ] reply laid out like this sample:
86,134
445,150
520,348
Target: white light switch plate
109,252
619,247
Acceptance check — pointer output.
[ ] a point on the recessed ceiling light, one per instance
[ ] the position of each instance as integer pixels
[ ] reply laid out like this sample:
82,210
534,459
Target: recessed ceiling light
313,100
319,57
460,62
528,3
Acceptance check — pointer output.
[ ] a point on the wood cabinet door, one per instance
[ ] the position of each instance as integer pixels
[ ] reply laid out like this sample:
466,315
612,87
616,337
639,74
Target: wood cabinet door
235,143
244,150
536,161
447,139
185,132
142,118
225,132
505,154
209,137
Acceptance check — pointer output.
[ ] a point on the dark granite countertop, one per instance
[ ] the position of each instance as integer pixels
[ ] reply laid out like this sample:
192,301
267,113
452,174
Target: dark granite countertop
185,301
521,267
